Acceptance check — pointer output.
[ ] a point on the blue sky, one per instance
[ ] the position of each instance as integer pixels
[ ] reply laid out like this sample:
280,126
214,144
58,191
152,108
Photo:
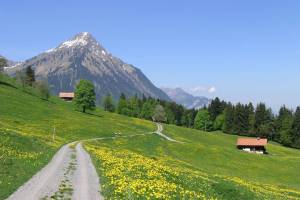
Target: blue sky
237,50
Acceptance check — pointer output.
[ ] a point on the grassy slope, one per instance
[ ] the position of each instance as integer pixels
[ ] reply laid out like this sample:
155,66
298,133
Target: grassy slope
26,125
26,145
211,154
216,153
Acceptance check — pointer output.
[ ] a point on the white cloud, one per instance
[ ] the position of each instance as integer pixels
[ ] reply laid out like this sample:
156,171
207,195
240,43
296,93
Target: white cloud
212,89
201,90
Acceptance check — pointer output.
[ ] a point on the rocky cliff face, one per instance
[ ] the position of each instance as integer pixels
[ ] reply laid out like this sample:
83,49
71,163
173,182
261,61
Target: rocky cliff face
82,57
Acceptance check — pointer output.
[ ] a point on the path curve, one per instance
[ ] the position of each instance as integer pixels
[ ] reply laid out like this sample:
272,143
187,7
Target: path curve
159,132
72,167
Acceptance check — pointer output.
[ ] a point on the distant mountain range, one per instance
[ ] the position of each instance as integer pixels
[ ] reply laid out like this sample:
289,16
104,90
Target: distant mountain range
187,100
82,57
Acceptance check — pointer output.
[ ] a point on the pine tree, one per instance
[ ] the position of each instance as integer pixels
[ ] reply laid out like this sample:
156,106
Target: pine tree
3,63
215,108
43,89
251,117
108,103
30,76
295,131
134,106
241,120
283,125
170,114
188,117
122,104
228,118
178,112
262,117
147,110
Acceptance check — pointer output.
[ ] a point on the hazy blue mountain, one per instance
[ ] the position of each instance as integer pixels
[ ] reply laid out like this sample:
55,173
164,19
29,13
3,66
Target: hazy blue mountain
182,97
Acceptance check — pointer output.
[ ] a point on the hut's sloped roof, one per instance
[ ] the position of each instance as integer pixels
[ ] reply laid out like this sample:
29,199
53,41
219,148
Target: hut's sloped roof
252,142
66,94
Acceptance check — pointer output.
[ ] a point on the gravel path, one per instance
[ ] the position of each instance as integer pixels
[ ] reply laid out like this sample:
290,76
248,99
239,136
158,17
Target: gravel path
159,132
86,181
69,175
46,181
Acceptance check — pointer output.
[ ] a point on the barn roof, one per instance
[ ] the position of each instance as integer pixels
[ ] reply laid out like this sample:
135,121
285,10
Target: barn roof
66,94
251,142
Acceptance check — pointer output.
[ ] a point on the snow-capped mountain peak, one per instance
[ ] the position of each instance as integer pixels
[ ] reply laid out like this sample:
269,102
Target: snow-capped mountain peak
82,57
80,40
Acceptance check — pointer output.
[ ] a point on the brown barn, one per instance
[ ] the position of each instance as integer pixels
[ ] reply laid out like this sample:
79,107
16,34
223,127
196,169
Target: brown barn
67,96
252,145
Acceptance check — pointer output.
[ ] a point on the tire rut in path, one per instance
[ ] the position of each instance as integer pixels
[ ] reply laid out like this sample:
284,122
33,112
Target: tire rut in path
85,181
46,182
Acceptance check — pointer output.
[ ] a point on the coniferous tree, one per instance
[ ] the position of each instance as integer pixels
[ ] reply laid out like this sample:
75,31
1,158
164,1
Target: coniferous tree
170,114
43,89
122,104
215,108
30,76
237,119
21,78
134,106
295,130
228,118
241,120
283,125
251,117
261,118
178,112
3,63
147,110
108,103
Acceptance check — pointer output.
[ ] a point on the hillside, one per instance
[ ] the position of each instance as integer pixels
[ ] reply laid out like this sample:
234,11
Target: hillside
82,57
26,127
204,165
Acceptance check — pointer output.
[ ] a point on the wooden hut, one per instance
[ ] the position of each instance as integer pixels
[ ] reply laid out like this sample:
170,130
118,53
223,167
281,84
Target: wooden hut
67,96
252,145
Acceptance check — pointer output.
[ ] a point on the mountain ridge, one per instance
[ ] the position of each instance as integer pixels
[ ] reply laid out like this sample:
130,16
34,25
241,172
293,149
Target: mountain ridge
82,57
184,98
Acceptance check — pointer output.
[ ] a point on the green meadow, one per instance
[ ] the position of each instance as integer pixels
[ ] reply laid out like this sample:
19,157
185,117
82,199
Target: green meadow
203,166
27,125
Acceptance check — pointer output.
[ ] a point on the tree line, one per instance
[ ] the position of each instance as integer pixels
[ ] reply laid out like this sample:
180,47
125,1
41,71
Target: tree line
238,119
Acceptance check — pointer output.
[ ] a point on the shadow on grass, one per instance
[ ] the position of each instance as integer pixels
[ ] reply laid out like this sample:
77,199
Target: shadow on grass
92,114
7,84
